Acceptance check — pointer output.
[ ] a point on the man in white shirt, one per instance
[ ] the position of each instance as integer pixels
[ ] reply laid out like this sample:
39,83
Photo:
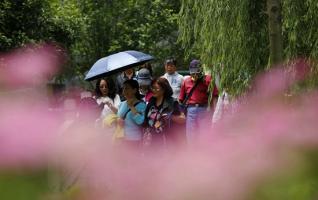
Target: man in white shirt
174,78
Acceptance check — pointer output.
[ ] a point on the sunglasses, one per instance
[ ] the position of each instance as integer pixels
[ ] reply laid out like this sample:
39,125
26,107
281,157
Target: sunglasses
155,89
196,74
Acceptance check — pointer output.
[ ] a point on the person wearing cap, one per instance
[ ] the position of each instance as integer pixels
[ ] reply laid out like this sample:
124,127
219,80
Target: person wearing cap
196,102
174,78
144,79
148,66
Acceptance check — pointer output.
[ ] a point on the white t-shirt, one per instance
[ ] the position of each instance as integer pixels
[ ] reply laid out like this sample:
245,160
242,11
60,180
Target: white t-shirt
175,80
106,110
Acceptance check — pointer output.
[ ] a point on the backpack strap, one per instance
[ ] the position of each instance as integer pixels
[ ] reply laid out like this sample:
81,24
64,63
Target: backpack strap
184,102
124,117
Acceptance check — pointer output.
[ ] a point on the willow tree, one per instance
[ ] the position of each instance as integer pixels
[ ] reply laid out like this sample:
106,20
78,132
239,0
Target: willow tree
234,38
229,37
274,10
300,22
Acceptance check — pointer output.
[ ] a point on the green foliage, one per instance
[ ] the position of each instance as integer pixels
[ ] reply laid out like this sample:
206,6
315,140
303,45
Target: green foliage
299,22
68,20
71,32
227,36
31,185
107,27
232,38
91,29
20,21
144,25
297,182
32,21
301,37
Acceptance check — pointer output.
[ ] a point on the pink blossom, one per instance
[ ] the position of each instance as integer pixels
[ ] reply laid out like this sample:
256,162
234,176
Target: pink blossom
29,66
27,132
261,139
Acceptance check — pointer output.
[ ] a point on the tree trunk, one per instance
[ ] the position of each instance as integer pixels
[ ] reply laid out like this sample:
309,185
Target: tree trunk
274,10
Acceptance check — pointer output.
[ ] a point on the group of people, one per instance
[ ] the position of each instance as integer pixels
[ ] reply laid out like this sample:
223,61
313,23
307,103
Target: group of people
156,112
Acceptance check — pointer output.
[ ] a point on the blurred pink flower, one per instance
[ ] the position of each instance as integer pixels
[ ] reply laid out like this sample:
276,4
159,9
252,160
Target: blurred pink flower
27,132
228,161
27,128
29,66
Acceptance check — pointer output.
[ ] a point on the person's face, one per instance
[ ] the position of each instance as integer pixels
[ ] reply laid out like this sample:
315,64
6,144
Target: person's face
195,76
157,90
129,71
143,89
170,68
129,92
103,87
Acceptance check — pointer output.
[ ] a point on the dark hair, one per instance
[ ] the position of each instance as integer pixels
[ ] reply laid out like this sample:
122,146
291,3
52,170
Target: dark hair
134,85
171,61
164,84
148,66
110,85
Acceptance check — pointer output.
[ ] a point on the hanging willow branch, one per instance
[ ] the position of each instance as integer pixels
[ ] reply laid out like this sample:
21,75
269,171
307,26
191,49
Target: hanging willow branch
227,33
235,35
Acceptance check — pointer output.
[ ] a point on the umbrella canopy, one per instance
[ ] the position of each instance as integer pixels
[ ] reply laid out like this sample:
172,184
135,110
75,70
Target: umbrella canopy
115,63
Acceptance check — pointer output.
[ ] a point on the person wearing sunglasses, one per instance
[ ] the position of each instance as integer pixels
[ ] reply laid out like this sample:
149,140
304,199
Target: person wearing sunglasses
194,96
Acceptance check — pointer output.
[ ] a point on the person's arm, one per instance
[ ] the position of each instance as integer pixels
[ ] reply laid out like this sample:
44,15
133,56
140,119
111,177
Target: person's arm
177,116
182,79
179,119
121,109
134,110
214,99
114,107
138,112
213,102
182,92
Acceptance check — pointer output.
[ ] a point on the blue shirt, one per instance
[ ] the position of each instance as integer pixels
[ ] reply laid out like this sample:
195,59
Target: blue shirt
132,125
